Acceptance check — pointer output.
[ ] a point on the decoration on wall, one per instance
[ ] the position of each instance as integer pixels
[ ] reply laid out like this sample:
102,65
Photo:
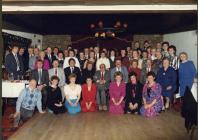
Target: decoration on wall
100,31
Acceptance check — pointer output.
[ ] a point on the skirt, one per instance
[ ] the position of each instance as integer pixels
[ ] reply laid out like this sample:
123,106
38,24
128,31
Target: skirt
72,109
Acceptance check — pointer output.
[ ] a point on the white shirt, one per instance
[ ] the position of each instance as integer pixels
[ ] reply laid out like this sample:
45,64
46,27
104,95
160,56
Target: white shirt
102,61
72,93
66,62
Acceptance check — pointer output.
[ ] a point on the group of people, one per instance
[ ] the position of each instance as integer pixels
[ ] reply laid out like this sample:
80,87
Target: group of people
138,80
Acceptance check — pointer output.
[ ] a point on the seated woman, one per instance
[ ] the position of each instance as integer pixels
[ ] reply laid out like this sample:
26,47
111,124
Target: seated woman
133,96
117,94
151,97
54,97
88,103
72,93
167,78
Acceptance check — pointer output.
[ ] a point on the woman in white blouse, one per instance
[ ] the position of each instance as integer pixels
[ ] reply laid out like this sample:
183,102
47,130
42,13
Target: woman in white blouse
72,93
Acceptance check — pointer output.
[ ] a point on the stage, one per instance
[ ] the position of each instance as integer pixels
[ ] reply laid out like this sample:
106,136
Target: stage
103,126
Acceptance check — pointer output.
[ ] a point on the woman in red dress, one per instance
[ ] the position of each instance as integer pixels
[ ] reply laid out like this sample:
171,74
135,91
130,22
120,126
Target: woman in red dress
88,103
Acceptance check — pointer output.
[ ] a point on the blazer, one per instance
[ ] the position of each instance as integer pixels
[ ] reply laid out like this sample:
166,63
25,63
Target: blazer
76,71
44,78
124,72
11,64
61,75
144,74
97,77
52,59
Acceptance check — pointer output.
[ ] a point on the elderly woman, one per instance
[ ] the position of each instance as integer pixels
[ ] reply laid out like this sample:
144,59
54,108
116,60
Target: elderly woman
133,98
152,99
72,94
117,94
46,64
187,73
88,103
167,78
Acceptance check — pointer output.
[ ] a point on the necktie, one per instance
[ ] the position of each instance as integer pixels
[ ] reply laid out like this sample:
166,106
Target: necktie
50,58
72,69
40,75
17,61
56,73
102,76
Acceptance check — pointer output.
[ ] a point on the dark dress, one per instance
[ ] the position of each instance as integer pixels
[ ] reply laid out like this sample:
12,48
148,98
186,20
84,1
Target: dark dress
54,96
87,73
167,78
133,95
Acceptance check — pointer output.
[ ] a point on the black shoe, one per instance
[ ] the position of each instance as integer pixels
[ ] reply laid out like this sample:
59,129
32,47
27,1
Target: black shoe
13,129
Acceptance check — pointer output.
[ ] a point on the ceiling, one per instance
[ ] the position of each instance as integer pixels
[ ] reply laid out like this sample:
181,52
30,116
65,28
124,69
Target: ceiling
78,24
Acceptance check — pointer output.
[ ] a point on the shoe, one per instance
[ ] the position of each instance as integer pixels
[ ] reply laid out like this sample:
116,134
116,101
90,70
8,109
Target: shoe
13,129
104,108
100,108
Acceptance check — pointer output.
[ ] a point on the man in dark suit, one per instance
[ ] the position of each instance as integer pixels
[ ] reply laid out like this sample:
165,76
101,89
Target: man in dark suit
14,64
72,69
42,78
49,56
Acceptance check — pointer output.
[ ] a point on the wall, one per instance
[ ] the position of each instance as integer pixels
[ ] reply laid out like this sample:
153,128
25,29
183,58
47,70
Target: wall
60,41
33,37
152,38
184,41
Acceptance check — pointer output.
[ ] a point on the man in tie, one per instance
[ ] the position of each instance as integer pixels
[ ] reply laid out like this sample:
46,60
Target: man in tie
13,64
49,56
32,58
149,67
119,67
56,70
102,79
73,69
42,78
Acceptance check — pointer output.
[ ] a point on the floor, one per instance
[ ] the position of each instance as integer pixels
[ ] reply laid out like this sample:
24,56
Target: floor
103,126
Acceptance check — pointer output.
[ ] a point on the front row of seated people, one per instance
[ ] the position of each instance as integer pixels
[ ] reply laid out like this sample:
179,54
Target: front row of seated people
132,97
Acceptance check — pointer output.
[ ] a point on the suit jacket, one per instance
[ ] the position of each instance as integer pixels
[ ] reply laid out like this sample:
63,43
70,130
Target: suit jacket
11,65
61,75
75,71
97,77
52,59
44,78
124,72
144,74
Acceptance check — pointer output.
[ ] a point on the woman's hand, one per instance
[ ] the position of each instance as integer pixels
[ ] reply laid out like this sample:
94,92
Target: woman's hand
168,87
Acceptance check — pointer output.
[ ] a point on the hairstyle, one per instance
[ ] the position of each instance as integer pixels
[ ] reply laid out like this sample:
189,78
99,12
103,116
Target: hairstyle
89,77
172,47
132,74
134,60
89,62
151,73
14,45
72,76
55,60
102,64
167,43
54,78
39,60
183,53
165,58
71,59
118,73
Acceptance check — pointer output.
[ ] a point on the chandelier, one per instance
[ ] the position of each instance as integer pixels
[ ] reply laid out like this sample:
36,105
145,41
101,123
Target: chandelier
100,31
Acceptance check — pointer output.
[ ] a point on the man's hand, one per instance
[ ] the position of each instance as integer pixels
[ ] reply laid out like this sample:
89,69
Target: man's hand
16,114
